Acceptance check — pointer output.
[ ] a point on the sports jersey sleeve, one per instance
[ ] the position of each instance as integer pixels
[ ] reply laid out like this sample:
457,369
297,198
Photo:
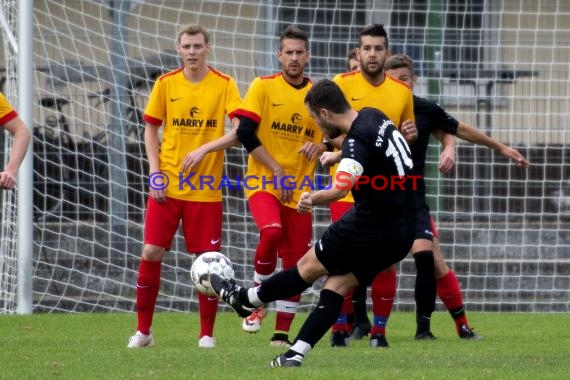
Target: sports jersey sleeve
155,111
233,98
442,120
7,113
408,113
252,105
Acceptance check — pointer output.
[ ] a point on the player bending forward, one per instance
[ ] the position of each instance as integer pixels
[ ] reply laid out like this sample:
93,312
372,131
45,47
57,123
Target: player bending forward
375,233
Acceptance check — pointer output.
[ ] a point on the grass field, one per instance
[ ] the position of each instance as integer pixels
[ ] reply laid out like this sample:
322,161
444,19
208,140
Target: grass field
93,346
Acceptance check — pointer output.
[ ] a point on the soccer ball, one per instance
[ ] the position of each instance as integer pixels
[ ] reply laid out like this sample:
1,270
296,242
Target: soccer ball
206,263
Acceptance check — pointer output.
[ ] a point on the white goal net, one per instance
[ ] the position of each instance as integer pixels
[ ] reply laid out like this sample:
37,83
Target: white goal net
499,65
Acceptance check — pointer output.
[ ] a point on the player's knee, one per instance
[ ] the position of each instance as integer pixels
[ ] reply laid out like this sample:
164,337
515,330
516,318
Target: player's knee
424,262
310,268
153,252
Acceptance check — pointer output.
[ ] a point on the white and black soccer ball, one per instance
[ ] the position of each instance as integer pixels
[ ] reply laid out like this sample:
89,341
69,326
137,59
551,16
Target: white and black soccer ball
206,263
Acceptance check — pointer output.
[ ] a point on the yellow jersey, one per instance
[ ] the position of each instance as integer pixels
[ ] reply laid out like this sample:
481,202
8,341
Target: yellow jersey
192,114
284,126
7,113
393,97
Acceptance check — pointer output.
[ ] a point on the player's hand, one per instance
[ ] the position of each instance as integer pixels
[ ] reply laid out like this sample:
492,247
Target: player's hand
8,180
514,155
409,131
285,193
158,195
446,160
311,150
192,159
330,158
305,203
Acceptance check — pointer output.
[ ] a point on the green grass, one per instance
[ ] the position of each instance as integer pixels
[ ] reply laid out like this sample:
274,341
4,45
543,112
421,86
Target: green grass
93,346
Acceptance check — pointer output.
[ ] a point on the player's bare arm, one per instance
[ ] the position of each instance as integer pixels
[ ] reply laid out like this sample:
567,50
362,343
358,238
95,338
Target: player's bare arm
331,158
475,136
261,155
342,184
152,148
226,141
21,141
447,155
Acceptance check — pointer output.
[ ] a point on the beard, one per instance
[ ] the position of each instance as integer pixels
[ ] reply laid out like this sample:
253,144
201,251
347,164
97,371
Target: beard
332,132
293,73
372,72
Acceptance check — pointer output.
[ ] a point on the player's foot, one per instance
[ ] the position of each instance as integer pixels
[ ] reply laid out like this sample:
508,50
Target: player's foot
282,360
280,340
140,340
252,324
207,342
425,335
378,340
468,333
229,292
360,330
339,339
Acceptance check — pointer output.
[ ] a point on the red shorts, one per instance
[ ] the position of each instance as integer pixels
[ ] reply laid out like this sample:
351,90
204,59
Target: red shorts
338,209
296,228
201,223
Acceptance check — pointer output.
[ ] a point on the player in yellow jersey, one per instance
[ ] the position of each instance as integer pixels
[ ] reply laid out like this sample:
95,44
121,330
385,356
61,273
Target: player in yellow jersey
10,121
190,104
283,141
371,87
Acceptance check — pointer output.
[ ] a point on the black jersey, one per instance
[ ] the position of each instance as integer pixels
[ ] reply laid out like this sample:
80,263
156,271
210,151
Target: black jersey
429,116
380,198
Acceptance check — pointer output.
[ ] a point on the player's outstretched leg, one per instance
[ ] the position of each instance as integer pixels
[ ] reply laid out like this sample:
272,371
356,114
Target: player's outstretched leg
313,329
233,294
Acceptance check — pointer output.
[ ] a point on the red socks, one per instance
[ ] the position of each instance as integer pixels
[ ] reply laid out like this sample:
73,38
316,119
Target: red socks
208,309
148,283
383,294
449,291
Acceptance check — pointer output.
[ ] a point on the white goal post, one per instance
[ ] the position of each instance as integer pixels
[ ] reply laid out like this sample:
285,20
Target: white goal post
499,65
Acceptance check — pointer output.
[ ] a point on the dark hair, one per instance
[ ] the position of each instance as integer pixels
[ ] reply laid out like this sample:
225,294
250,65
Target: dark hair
351,55
193,30
326,94
375,30
294,33
400,60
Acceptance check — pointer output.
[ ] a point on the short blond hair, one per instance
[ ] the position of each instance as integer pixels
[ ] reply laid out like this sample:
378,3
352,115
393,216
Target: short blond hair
193,30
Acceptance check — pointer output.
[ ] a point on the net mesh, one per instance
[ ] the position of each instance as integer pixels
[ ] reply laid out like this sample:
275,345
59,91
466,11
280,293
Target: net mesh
501,66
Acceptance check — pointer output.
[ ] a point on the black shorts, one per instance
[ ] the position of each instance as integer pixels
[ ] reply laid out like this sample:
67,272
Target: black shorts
424,226
342,251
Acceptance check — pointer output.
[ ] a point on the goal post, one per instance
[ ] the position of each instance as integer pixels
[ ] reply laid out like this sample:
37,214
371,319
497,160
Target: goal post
498,65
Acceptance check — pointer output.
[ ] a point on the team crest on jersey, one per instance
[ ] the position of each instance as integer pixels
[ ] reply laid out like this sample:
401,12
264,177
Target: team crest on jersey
194,111
296,118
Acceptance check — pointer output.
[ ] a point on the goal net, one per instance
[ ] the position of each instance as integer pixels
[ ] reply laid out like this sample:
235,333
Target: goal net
499,65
